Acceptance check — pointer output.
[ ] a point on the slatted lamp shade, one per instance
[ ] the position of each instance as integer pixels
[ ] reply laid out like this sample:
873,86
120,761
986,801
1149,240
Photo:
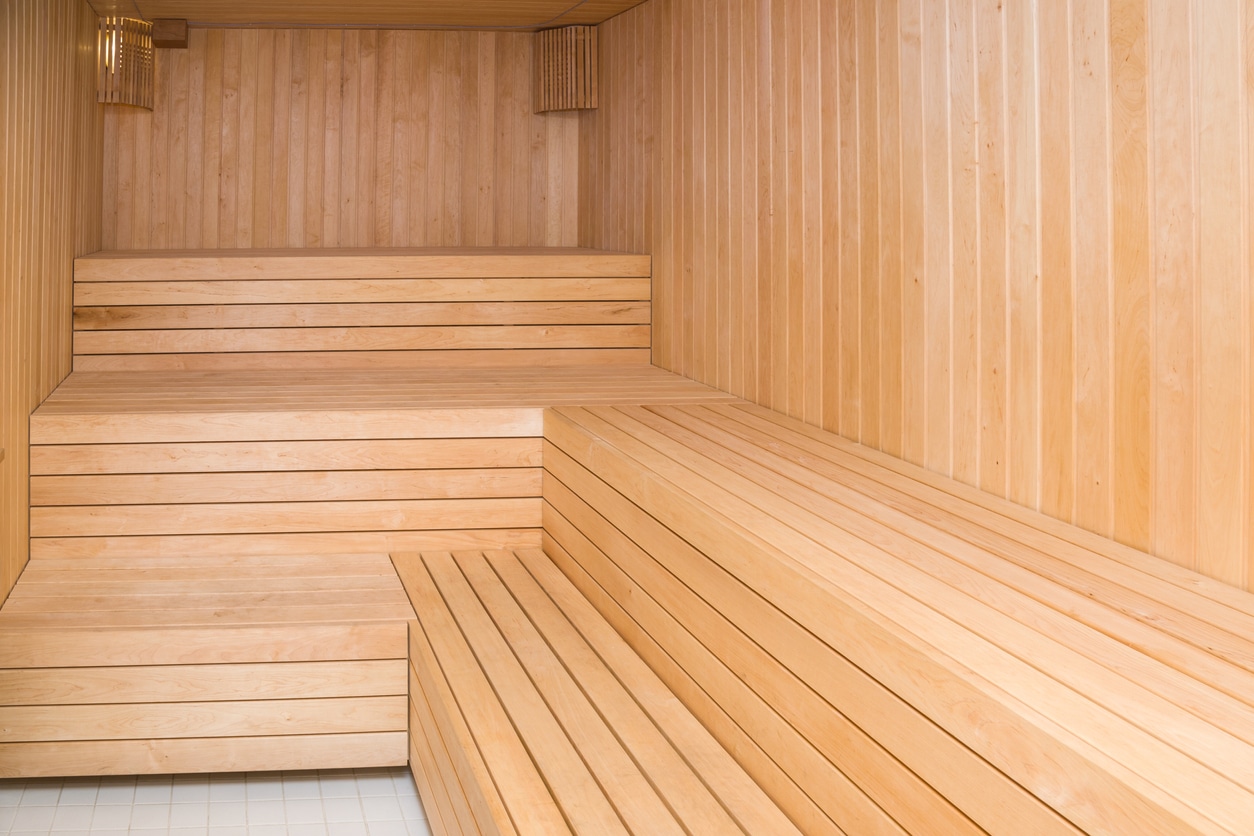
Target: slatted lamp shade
566,69
126,62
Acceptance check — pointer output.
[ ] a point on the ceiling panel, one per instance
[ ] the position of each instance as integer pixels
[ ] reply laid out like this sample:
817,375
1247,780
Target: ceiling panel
523,14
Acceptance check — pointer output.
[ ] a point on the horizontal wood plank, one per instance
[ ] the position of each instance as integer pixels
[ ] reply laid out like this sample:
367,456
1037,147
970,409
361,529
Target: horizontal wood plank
380,314
357,291
229,754
285,456
347,264
282,517
26,724
208,545
200,683
418,338
307,486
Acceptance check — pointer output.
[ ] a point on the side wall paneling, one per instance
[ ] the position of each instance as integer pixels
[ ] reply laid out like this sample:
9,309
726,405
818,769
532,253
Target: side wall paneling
50,167
1008,241
342,138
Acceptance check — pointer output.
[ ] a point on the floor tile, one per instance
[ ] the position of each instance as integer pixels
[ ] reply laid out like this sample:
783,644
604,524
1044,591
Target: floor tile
366,802
304,811
34,818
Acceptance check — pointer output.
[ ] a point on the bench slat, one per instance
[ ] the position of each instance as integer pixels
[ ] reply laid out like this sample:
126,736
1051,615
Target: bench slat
57,548
283,457
193,683
183,755
203,719
379,314
306,486
282,517
342,339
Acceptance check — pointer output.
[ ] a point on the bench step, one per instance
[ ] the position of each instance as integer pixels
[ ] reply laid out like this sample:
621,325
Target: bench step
531,715
161,665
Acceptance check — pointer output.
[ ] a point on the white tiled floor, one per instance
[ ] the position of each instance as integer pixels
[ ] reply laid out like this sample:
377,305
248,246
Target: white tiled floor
365,802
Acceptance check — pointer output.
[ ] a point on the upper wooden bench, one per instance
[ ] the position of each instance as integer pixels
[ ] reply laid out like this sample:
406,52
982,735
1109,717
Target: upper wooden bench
886,651
380,309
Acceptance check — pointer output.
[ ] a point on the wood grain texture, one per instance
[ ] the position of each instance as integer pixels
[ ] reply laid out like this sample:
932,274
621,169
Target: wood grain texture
380,308
342,138
769,563
478,14
284,462
1033,272
234,654
541,715
50,164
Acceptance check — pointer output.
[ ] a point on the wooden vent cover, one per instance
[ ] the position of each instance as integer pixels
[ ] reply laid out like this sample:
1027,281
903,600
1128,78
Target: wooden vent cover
125,62
566,69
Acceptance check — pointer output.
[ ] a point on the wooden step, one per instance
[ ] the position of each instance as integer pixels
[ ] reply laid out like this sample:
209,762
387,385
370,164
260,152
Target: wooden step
531,715
201,463
119,666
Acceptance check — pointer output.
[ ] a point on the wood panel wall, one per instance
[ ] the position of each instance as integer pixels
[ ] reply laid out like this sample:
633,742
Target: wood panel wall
1009,241
50,168
342,138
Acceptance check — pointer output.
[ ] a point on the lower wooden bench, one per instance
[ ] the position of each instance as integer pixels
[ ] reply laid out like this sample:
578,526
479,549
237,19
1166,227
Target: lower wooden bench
886,651
112,666
531,715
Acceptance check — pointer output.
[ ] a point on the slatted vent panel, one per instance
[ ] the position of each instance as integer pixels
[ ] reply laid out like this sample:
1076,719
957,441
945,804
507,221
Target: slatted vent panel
566,69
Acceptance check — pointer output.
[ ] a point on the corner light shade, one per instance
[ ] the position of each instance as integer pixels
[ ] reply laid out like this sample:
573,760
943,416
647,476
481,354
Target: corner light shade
125,62
566,69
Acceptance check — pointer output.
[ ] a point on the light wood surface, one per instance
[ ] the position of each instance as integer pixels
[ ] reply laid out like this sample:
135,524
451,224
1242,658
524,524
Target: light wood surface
50,165
228,754
786,582
342,138
540,719
1008,242
478,14
260,662
278,462
363,309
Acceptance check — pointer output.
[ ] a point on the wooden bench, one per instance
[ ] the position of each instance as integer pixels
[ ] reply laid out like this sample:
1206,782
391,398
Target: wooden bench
336,309
530,715
112,666
209,463
243,437
886,651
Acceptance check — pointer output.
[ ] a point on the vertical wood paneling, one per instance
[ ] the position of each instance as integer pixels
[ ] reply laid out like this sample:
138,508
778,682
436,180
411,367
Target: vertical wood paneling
343,138
1011,241
50,167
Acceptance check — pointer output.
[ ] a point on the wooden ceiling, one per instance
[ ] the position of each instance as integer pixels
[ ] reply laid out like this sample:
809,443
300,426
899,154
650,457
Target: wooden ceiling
478,14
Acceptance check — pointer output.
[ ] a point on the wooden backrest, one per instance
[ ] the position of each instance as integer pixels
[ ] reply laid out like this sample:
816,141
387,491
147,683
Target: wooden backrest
327,309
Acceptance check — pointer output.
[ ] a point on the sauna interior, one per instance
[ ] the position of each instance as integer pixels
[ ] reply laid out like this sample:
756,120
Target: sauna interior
693,416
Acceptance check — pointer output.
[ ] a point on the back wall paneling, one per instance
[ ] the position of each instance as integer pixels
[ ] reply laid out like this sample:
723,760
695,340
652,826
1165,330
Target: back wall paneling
50,164
341,138
1009,241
